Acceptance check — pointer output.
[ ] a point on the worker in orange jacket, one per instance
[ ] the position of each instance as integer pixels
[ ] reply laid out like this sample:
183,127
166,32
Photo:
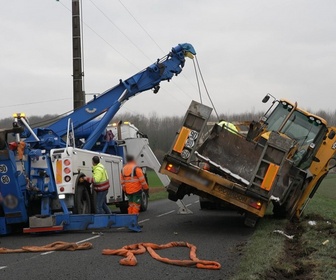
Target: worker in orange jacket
133,182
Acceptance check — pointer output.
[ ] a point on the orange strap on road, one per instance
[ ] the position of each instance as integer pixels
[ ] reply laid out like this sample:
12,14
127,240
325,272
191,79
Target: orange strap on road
129,252
55,246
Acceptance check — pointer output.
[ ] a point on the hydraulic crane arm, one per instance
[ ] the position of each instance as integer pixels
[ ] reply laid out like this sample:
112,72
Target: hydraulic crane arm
110,101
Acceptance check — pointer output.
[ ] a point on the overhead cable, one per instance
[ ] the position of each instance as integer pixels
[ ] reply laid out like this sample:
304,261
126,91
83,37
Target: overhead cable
206,89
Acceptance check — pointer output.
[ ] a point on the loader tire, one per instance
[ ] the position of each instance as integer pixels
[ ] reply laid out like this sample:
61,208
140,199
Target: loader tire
82,200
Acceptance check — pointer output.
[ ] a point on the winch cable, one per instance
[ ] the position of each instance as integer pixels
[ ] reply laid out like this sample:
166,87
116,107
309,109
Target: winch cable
129,252
198,85
55,246
206,89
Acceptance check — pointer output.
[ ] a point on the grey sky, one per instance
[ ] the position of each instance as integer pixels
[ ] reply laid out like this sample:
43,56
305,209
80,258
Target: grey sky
245,49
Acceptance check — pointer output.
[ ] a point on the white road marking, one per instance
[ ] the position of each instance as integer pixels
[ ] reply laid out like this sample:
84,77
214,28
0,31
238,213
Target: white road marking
188,205
142,221
2,267
172,211
47,253
87,239
197,201
84,240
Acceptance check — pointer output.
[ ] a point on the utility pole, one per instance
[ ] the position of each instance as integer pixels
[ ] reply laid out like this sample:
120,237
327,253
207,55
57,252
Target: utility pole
78,94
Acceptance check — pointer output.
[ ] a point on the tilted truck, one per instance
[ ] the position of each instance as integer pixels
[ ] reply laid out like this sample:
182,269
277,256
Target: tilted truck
282,160
40,188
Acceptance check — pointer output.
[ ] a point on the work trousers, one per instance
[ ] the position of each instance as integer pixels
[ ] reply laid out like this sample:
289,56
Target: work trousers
134,203
101,206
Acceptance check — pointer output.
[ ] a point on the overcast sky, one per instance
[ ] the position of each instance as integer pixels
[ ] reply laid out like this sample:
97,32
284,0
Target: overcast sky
245,49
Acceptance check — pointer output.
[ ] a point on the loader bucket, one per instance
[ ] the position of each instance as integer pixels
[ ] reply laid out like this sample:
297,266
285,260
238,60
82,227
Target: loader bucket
232,152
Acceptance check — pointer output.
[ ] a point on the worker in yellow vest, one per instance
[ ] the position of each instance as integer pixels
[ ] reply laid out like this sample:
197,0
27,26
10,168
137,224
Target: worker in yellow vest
229,126
101,184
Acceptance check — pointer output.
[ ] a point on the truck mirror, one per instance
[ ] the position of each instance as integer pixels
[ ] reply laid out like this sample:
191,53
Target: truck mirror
265,99
331,134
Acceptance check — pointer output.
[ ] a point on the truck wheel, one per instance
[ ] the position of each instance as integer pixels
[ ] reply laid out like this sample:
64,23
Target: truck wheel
279,211
82,200
93,201
144,202
250,220
294,199
123,208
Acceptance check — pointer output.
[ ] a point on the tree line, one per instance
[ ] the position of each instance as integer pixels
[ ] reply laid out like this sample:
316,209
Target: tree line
161,130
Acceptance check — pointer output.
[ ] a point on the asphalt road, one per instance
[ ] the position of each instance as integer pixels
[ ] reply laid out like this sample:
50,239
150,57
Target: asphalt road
218,235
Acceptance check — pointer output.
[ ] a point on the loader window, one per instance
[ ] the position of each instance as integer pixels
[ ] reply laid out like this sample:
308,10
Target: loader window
308,133
276,117
305,130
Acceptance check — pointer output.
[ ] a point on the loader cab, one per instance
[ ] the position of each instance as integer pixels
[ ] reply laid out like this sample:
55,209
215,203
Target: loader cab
307,130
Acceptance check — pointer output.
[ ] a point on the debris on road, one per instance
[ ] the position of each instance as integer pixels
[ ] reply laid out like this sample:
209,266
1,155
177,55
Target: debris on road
284,234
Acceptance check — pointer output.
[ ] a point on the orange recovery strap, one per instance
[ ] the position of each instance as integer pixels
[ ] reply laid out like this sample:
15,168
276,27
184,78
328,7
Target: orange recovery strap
129,252
55,246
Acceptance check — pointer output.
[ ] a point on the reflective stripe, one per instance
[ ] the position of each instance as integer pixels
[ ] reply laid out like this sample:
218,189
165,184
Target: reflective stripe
132,179
103,186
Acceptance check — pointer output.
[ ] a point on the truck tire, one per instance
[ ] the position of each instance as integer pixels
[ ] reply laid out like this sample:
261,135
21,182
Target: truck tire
279,211
82,200
288,209
206,204
93,201
144,202
124,207
250,220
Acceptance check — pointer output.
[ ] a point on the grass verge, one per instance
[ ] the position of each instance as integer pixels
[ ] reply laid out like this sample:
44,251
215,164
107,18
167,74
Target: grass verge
156,189
311,254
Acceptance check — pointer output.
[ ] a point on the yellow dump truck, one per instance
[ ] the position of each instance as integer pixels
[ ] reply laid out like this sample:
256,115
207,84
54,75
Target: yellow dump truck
282,160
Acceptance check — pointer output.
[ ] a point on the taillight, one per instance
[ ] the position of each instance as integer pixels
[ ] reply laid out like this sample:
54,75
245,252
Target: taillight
255,204
67,162
204,165
172,168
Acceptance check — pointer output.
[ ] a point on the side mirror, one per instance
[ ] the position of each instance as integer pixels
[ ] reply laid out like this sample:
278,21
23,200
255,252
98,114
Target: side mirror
266,98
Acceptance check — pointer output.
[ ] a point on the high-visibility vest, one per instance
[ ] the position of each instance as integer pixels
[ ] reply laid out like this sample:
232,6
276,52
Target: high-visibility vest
99,179
229,126
132,179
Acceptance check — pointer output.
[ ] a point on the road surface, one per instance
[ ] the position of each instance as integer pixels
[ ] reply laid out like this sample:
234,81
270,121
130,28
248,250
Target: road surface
218,235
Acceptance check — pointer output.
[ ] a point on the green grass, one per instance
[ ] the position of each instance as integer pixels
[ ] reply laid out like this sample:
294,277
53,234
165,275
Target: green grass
156,189
272,256
153,179
261,250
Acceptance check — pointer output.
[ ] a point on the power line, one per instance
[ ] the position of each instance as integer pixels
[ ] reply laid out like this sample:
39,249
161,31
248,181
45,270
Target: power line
103,39
141,26
32,103
119,29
